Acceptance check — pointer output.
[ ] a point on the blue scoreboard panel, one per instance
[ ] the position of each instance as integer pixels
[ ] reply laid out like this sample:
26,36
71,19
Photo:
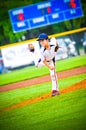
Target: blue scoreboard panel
44,13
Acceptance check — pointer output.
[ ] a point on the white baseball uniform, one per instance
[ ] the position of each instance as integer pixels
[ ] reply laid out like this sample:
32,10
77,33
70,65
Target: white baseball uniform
49,56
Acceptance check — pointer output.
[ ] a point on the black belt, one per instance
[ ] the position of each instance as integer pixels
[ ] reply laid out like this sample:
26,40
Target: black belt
52,60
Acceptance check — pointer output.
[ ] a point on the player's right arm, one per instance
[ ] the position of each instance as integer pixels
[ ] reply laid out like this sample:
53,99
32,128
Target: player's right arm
47,64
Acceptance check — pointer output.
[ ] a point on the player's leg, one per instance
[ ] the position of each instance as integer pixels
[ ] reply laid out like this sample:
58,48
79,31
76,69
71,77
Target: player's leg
54,79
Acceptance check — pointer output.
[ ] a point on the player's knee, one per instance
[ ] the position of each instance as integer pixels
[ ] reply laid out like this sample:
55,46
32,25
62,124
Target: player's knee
53,77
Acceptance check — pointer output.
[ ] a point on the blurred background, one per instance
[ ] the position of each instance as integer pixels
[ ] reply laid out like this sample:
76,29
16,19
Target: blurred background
72,44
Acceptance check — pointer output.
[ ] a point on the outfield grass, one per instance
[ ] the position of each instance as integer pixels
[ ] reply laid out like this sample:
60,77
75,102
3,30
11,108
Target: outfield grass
64,112
32,72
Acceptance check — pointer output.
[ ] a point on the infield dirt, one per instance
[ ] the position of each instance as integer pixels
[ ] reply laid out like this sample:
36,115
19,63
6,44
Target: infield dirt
39,80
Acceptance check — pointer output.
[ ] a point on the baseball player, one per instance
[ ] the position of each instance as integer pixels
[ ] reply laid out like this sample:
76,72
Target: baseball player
48,51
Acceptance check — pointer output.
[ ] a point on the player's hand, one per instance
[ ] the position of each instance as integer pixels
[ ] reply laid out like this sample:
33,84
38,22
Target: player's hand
51,67
31,47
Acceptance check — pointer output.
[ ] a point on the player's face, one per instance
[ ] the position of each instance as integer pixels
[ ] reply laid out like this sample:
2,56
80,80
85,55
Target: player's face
44,42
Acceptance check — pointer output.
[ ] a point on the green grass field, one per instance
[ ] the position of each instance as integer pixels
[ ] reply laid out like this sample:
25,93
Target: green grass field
63,112
32,72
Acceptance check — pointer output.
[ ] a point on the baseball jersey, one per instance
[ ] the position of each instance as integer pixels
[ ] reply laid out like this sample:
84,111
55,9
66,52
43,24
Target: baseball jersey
48,55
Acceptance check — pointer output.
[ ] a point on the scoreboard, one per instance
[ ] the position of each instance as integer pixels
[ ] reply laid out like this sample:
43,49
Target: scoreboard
44,13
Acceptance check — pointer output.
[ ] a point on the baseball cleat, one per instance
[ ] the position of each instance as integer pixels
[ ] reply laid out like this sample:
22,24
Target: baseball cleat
55,92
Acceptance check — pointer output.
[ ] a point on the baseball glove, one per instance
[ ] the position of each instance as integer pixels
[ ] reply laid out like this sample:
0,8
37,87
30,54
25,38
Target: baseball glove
31,47
56,48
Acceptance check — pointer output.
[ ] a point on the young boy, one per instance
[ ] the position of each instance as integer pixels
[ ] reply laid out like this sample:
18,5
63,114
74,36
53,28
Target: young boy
48,51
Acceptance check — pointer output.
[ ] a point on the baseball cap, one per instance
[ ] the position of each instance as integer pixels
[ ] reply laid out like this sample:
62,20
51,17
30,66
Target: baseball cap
42,36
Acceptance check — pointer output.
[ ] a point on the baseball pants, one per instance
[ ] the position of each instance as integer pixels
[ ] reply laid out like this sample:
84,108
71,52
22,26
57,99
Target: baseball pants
53,77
